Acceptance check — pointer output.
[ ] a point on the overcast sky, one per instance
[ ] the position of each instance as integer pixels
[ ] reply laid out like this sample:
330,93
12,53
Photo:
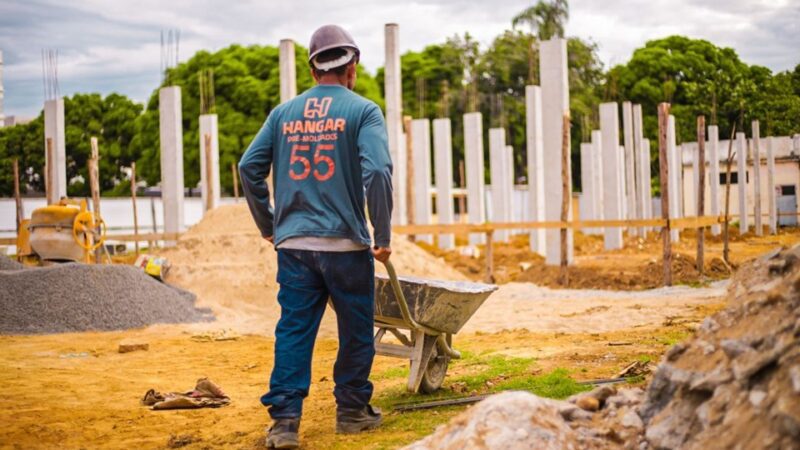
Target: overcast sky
108,46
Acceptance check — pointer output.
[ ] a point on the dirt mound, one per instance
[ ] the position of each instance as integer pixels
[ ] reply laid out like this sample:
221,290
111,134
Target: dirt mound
736,384
647,276
78,297
232,269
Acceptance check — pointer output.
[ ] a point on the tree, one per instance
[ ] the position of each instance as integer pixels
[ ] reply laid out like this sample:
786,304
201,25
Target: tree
545,19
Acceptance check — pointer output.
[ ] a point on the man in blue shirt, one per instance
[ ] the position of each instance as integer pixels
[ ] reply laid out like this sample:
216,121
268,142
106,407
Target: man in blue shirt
326,148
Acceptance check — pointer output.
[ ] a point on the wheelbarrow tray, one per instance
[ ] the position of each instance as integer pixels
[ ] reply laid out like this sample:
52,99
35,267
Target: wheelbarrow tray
445,306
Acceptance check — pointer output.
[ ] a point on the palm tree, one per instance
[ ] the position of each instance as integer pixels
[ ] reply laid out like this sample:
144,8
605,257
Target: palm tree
546,19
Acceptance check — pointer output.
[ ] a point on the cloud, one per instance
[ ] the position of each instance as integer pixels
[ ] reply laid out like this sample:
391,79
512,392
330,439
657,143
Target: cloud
107,45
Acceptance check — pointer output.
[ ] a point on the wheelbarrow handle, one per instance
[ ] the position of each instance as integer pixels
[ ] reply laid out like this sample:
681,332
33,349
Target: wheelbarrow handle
410,322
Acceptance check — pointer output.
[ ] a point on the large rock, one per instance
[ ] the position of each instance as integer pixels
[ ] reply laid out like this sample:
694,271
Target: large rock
513,420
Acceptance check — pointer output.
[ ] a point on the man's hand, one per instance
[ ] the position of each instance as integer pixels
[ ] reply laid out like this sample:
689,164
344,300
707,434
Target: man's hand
271,239
382,253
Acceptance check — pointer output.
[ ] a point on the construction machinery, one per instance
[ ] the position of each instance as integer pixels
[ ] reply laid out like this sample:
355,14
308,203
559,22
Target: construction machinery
64,232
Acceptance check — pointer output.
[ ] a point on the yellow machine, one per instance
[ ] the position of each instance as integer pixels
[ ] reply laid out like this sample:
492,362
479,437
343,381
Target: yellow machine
64,232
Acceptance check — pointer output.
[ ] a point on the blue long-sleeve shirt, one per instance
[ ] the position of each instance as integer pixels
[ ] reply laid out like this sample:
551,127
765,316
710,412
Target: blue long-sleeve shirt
326,148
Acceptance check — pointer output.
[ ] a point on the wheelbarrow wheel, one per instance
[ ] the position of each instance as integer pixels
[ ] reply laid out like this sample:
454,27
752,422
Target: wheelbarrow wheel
434,374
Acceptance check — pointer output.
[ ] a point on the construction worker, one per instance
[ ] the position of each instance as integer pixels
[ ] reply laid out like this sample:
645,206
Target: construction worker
326,148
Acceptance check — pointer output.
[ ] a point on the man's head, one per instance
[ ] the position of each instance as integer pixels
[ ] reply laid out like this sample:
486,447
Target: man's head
333,56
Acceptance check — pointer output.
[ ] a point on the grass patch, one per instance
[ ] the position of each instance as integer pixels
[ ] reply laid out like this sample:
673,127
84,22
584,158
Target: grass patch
391,373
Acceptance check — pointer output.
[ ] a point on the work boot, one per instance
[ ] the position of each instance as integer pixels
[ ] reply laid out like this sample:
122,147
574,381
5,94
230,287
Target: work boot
351,421
283,433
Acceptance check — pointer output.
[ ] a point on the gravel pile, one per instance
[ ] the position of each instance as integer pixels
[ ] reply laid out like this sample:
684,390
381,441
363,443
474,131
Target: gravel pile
7,263
78,297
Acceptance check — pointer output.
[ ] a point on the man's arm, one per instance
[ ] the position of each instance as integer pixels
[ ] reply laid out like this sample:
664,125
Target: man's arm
376,171
254,168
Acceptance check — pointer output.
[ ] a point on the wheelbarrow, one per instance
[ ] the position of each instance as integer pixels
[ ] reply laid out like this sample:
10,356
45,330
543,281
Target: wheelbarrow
423,315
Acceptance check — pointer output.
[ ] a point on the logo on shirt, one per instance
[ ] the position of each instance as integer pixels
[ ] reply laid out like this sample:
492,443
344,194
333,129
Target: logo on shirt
316,108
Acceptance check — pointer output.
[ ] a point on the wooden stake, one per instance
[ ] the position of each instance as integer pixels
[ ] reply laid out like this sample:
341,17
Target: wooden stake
726,224
209,173
94,186
135,216
701,189
490,256
235,182
17,195
48,165
565,199
663,116
409,171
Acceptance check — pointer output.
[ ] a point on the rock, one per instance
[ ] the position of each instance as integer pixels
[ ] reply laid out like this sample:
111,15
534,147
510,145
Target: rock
588,403
734,347
709,325
571,413
632,420
511,420
787,413
706,346
747,365
756,397
712,380
675,351
128,346
794,376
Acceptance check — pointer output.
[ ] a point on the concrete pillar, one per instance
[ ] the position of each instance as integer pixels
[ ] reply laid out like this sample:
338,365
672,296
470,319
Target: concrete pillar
694,153
771,194
473,166
534,135
597,175
741,169
394,120
2,92
675,166
639,160
54,133
757,178
588,205
421,147
630,174
509,187
208,126
622,185
555,104
713,175
499,172
443,154
612,178
171,134
647,191
288,70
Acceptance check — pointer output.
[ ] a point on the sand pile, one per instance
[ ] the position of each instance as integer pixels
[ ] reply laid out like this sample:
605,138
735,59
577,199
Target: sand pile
224,260
78,297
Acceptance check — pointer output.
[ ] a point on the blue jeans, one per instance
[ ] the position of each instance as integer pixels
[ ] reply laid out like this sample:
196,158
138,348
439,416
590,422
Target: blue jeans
307,279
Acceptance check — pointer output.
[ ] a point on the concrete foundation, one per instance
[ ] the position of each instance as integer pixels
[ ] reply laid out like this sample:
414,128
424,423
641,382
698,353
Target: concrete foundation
741,168
208,127
54,134
713,176
674,163
630,174
555,104
394,120
772,205
474,171
757,179
421,147
499,172
443,154
612,177
171,134
534,135
288,70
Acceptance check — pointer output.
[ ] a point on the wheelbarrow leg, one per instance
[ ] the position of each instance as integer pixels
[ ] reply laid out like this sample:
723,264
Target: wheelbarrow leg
419,359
